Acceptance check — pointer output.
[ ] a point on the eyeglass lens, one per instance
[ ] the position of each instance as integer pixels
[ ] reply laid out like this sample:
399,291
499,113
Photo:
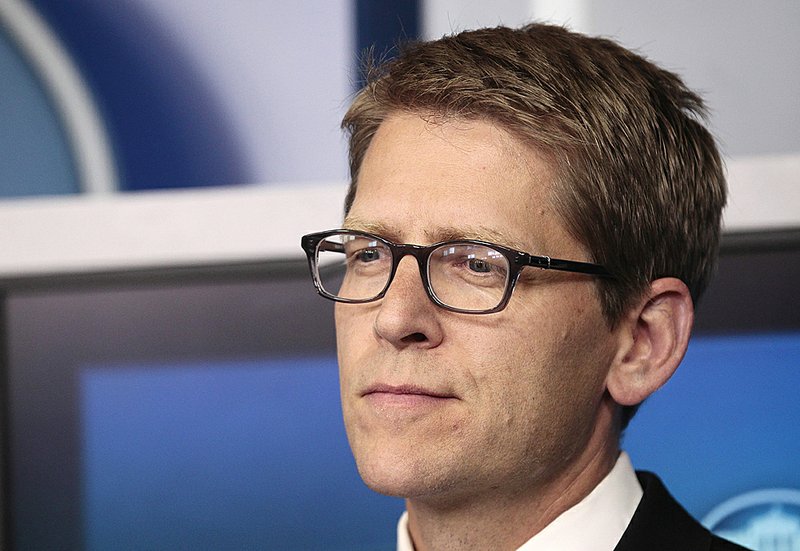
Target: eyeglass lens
466,276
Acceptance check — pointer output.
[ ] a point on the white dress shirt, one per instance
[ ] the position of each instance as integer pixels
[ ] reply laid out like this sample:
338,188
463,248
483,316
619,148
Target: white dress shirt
596,523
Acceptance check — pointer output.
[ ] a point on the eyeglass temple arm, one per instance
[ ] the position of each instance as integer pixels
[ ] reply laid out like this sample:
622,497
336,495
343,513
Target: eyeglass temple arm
547,263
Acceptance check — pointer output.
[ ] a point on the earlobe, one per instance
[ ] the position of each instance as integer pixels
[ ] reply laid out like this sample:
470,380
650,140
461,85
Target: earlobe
653,340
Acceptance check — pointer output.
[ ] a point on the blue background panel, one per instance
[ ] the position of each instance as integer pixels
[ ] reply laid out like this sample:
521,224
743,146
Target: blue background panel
224,455
726,423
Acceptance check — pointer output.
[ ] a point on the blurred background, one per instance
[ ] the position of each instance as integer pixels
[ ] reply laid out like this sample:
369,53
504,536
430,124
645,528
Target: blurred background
168,374
141,94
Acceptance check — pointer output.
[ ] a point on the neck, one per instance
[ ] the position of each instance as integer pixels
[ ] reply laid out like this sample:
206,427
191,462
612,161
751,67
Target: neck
506,520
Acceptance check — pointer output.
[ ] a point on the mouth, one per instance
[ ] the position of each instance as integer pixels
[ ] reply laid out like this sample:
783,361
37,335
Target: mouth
407,397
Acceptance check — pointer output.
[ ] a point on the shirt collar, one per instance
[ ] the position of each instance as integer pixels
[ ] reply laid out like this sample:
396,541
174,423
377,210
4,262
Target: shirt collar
596,522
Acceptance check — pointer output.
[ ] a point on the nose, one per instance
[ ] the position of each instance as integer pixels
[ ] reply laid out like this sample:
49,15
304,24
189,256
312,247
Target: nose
406,315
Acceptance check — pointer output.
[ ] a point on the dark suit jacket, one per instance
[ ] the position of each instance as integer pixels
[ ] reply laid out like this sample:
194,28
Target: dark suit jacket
661,524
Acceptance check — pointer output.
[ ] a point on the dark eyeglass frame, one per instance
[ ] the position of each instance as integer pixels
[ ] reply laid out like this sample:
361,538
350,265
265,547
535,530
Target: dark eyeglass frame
517,260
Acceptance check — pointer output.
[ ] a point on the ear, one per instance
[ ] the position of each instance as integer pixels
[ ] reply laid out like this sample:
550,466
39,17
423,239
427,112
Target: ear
653,340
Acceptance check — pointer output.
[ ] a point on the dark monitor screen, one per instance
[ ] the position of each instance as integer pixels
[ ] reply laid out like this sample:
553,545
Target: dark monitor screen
199,408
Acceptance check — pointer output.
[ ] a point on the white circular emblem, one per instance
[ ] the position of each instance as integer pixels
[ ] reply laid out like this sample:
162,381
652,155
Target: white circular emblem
764,520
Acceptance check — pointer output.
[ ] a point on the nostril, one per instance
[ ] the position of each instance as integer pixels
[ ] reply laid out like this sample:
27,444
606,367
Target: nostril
415,337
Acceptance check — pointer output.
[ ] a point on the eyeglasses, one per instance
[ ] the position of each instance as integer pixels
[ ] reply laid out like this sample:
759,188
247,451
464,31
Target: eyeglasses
468,276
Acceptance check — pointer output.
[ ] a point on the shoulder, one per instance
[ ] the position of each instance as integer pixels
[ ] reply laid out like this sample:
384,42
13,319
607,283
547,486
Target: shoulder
660,523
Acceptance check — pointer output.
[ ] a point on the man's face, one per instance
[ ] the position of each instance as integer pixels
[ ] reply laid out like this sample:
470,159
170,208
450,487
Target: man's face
442,405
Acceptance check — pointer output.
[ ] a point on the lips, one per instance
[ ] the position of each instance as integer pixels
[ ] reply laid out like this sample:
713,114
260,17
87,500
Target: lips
406,390
405,399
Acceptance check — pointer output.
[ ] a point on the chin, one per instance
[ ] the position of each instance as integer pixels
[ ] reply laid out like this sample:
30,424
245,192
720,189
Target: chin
401,473
388,473
393,468
403,459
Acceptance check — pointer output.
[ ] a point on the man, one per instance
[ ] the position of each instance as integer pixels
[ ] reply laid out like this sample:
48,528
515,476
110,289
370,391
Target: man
531,217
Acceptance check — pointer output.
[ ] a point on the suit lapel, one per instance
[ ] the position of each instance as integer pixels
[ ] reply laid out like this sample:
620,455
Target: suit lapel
661,524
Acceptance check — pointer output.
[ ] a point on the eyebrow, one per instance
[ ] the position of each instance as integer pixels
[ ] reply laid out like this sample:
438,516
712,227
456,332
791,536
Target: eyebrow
439,234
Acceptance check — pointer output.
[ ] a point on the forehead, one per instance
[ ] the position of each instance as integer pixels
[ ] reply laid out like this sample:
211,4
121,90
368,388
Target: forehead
424,181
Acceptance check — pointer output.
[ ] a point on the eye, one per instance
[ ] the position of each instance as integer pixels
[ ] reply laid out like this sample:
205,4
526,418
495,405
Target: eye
479,265
471,260
368,255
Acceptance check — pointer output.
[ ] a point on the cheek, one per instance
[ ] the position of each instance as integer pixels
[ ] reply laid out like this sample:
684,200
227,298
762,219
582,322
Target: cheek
547,358
582,351
505,375
352,327
352,336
